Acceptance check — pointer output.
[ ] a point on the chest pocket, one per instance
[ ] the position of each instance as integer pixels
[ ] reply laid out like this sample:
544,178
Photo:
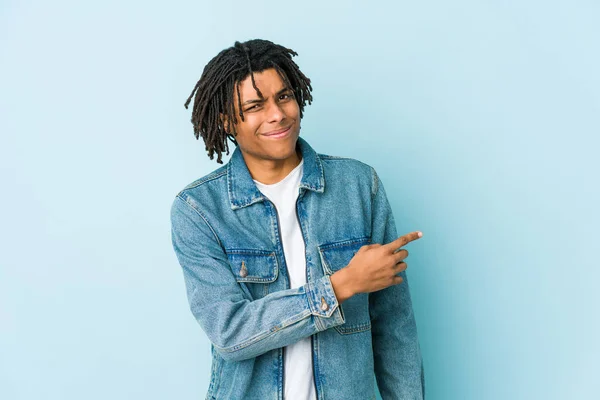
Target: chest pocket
254,270
335,256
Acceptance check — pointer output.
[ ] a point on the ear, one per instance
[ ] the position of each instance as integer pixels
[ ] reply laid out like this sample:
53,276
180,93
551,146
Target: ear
224,122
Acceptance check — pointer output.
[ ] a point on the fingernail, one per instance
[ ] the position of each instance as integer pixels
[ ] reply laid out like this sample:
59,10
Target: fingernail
420,234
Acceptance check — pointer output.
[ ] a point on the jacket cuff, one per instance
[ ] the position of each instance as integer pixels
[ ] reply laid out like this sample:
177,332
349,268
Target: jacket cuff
323,304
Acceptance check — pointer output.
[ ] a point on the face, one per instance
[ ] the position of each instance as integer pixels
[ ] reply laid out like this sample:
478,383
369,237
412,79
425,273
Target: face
278,110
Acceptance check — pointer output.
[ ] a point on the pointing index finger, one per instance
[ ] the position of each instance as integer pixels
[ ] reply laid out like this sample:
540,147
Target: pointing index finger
403,240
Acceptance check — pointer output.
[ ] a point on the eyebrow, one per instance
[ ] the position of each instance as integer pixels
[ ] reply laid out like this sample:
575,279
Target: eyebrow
285,89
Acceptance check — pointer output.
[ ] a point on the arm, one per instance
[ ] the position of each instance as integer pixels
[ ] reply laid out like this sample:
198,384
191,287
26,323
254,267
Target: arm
398,362
239,328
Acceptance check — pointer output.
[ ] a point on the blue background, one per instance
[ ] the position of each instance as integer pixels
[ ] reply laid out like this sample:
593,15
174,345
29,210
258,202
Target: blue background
481,117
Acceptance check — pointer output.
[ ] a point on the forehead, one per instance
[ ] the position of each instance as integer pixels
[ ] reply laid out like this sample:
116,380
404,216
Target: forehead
268,81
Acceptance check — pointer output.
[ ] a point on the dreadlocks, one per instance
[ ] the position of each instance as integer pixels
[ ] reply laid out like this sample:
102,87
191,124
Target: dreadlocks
214,90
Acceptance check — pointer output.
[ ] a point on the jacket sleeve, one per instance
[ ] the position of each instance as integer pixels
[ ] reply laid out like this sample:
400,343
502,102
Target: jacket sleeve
238,327
397,355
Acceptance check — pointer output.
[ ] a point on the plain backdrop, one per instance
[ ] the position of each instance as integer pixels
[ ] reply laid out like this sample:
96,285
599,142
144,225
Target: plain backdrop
481,117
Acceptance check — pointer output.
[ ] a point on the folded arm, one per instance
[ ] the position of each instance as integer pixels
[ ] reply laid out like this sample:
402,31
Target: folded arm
240,328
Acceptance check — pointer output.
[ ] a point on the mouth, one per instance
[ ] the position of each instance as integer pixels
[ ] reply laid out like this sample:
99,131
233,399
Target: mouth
279,134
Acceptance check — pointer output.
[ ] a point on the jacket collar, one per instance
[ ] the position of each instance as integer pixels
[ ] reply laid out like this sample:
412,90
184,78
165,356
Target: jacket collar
243,191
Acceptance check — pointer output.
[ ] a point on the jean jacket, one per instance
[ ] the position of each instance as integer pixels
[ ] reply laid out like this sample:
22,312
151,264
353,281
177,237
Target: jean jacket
226,237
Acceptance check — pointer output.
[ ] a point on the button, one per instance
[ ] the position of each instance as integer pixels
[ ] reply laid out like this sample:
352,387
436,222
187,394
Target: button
243,270
324,305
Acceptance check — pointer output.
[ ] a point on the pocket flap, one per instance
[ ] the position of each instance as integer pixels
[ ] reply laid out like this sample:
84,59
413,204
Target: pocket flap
259,266
337,255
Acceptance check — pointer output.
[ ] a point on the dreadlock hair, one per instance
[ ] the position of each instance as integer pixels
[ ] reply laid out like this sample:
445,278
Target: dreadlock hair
214,90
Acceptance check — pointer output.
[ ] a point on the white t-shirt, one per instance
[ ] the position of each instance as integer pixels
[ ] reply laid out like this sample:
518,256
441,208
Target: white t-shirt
298,367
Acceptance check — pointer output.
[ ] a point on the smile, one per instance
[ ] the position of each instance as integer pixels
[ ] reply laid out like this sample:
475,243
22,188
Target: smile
280,135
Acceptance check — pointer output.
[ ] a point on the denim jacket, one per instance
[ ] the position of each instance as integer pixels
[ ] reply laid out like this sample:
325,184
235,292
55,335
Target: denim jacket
226,237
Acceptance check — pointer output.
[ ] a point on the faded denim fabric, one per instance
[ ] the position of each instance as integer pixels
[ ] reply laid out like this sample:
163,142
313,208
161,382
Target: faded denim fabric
225,234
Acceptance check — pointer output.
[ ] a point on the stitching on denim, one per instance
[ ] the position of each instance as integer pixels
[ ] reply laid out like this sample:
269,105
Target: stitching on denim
316,362
314,294
374,184
215,374
331,157
265,334
343,246
309,297
336,246
255,252
205,179
203,217
229,182
354,329
243,202
328,157
255,280
343,243
260,253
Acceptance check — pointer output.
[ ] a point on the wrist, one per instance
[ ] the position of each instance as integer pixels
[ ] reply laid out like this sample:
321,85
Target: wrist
342,285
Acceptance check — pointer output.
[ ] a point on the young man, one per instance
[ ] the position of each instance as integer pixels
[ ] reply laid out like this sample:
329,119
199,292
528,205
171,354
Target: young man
290,257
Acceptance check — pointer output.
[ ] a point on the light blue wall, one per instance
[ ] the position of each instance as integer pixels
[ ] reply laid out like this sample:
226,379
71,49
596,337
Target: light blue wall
482,119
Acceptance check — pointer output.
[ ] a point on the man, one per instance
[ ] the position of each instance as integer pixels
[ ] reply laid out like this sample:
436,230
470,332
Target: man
290,257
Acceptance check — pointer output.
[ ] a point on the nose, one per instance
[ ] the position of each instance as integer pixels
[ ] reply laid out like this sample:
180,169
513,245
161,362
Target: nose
274,112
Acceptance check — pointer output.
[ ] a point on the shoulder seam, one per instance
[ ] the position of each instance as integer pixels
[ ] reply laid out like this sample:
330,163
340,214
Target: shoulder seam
203,180
201,216
330,157
334,158
374,183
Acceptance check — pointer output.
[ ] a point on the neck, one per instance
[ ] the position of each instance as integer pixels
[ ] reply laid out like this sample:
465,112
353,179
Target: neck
272,171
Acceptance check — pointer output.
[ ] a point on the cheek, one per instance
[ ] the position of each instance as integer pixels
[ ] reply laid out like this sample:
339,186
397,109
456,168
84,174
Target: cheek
292,110
251,125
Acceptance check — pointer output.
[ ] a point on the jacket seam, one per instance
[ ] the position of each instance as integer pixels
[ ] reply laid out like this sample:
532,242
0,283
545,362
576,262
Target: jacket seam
261,335
265,334
202,180
374,184
354,329
203,218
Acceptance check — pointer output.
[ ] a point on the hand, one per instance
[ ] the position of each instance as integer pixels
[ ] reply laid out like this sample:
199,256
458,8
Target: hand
373,267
